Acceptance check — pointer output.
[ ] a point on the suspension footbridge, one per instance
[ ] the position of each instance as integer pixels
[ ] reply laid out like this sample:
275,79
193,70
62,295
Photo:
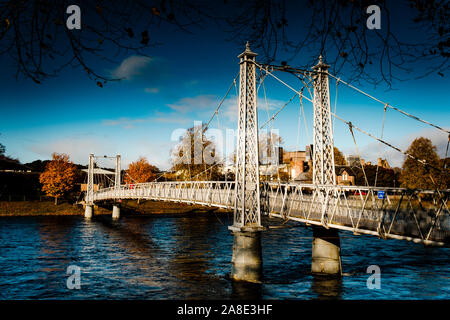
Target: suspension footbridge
421,216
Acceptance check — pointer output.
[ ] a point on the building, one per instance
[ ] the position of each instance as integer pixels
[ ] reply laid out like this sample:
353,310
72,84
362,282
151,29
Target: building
345,176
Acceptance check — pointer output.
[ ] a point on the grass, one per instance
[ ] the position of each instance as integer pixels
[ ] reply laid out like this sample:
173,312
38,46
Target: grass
48,208
42,208
160,207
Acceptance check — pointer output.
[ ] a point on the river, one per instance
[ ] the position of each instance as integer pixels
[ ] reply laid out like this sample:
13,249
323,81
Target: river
187,256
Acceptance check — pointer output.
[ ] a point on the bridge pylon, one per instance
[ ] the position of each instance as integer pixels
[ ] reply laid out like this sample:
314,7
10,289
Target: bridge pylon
90,189
326,257
117,180
247,257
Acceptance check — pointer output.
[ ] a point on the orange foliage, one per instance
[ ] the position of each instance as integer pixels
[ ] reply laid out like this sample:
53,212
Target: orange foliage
140,171
58,177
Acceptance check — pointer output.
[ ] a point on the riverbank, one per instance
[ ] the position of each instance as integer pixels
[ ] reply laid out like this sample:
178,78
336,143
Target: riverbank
48,208
42,208
161,207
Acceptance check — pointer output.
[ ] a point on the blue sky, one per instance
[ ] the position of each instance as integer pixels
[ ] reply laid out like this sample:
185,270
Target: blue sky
182,81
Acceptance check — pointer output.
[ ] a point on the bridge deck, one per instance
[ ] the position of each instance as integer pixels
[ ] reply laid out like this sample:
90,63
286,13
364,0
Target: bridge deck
415,215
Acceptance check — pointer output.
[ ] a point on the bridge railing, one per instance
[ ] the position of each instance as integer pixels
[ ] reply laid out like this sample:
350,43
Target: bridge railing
210,193
386,212
421,215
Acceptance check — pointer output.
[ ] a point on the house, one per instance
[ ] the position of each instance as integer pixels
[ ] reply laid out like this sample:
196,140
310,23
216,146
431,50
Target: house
345,176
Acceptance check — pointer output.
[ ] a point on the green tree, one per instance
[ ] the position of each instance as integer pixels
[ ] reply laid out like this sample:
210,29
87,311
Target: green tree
416,175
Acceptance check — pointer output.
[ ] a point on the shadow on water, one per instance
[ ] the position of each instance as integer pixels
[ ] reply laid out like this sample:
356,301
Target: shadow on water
245,290
327,287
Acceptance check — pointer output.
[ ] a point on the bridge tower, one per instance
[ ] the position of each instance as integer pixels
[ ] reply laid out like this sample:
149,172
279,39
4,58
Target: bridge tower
246,228
326,257
90,189
323,147
117,180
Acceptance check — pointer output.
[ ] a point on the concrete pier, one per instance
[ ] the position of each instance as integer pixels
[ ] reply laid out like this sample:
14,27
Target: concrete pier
326,252
116,212
246,263
88,212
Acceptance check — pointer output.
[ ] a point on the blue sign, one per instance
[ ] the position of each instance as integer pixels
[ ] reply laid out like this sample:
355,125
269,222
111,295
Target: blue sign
380,194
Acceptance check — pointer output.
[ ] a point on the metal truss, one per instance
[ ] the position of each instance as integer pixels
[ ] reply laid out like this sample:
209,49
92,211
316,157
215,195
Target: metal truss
415,215
323,153
247,212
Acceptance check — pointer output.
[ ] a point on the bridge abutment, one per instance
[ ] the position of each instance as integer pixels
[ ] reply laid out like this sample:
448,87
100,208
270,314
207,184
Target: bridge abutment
326,252
246,262
116,212
88,211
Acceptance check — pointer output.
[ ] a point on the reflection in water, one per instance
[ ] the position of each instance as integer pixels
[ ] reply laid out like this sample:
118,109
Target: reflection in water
327,287
246,291
188,256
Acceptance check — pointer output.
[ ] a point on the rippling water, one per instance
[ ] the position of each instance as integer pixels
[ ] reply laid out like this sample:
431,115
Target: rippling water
187,256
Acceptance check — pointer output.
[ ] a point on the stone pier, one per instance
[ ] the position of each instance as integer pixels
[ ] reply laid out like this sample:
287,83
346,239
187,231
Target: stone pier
116,212
326,252
246,262
88,211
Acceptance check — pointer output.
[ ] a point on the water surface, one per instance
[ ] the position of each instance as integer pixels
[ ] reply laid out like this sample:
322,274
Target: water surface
187,256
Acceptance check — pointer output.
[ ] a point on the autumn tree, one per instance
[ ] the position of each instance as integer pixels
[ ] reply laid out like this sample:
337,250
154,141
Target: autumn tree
140,171
416,175
195,156
339,159
58,177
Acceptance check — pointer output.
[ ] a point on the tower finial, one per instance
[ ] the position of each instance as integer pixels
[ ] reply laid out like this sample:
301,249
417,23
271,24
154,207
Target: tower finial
248,52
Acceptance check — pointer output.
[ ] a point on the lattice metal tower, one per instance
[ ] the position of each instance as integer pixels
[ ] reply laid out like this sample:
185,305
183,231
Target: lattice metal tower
323,150
90,181
247,212
117,178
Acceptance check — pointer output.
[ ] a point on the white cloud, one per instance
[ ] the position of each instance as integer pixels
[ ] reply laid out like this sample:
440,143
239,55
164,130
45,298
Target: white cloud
190,104
230,108
395,158
151,90
78,148
131,67
124,122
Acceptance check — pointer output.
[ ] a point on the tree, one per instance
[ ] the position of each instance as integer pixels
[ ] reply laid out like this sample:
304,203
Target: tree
58,177
2,149
140,171
416,175
195,156
34,34
384,178
339,159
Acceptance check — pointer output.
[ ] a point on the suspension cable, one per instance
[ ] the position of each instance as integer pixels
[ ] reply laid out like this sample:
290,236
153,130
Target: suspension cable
359,155
381,137
276,114
424,162
389,106
221,102
271,74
